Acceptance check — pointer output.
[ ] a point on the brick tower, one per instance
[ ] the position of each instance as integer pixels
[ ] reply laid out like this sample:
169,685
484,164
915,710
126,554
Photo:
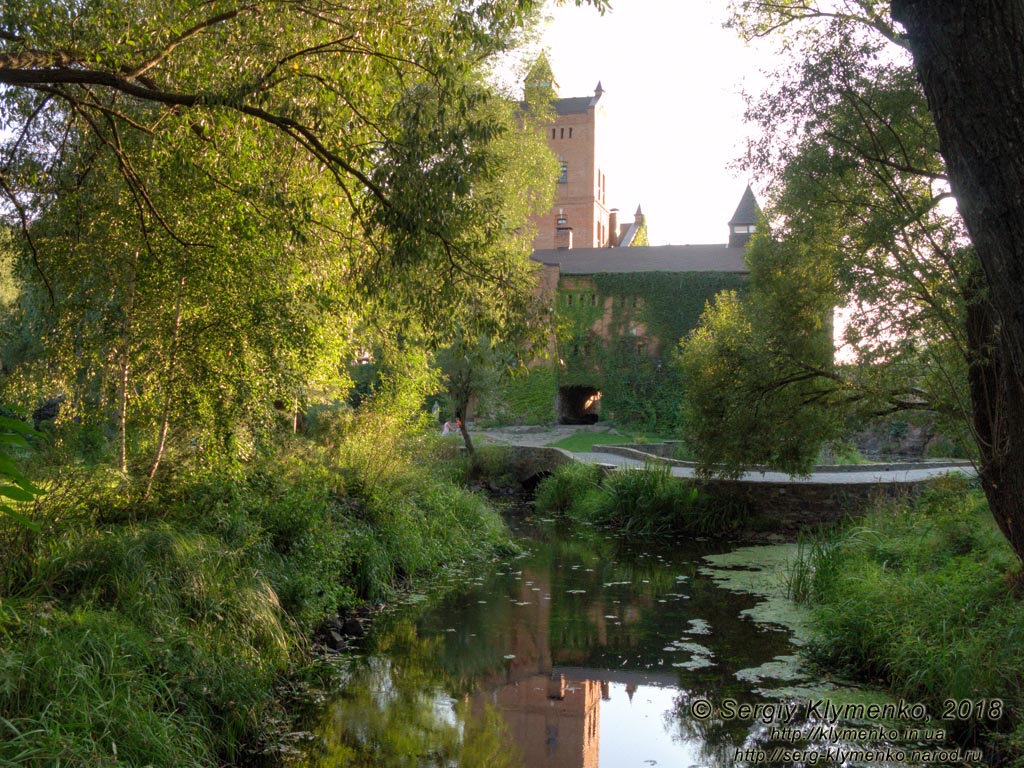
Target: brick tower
579,217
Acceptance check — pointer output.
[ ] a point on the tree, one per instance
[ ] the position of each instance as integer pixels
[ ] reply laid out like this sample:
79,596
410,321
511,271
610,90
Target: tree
955,307
857,197
215,198
969,63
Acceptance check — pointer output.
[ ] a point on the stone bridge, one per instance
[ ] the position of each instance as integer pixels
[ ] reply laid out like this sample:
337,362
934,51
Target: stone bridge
830,493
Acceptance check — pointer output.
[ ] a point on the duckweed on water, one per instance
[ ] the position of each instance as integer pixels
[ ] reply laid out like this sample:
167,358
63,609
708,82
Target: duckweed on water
761,571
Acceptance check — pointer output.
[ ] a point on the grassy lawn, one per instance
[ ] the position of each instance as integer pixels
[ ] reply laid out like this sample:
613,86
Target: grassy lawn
583,442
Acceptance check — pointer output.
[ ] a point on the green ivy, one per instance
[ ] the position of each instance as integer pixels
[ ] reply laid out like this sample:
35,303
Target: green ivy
528,398
636,374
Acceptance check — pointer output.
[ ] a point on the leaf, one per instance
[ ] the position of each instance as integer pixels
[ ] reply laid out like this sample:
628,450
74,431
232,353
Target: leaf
16,493
21,519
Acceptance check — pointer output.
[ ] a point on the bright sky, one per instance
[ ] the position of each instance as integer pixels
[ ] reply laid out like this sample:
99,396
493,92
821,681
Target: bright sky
673,79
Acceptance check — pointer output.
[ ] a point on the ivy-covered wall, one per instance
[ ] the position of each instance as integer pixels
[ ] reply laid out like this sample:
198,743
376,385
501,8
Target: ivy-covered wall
618,333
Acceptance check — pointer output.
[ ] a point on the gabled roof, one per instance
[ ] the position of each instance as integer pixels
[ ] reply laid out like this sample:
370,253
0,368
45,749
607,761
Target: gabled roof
655,258
574,105
747,211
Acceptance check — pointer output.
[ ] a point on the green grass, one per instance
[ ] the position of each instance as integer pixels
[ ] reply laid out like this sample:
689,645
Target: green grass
154,633
638,502
584,441
922,596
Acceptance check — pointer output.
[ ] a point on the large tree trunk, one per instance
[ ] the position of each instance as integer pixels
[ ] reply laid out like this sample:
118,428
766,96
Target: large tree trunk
998,422
970,59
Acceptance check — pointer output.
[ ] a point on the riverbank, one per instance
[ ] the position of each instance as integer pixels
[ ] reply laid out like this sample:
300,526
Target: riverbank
925,597
156,633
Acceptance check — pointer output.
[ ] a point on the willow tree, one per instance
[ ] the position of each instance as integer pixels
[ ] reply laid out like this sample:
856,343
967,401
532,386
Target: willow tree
942,323
214,197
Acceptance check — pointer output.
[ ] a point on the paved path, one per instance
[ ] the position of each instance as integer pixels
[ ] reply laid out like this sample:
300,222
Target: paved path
538,437
868,475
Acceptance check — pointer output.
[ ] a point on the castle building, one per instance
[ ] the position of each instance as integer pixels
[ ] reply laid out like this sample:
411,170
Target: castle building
622,304
577,135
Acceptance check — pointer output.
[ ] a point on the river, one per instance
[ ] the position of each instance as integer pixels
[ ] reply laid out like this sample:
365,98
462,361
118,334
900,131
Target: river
589,651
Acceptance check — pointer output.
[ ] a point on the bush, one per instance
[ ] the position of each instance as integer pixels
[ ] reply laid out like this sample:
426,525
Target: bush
918,595
570,482
645,502
638,502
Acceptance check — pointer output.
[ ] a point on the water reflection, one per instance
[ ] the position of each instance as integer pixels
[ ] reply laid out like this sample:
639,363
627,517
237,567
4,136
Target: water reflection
584,653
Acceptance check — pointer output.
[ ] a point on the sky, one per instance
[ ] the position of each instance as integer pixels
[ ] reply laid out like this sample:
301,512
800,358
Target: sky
673,81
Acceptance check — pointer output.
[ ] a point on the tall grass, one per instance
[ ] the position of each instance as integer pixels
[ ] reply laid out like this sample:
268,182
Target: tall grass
923,596
153,633
638,502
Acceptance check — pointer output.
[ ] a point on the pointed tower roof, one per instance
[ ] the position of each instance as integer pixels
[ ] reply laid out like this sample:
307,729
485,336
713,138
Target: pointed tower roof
744,221
540,80
748,210
598,93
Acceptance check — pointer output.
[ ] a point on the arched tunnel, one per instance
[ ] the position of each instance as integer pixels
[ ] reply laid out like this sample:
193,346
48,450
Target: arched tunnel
579,404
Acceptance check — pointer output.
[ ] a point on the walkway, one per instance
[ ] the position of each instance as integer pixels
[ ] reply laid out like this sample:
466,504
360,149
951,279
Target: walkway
869,473
851,475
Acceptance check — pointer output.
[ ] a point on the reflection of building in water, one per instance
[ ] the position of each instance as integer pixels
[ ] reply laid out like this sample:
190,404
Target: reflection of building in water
554,722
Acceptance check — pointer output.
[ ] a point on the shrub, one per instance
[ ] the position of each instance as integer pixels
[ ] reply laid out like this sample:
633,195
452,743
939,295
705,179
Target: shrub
916,594
570,482
638,502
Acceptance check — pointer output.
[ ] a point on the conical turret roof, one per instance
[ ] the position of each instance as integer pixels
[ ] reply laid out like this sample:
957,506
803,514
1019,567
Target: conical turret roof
747,211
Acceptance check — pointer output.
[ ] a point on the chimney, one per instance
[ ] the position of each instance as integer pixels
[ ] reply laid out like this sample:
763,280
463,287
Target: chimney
613,228
563,232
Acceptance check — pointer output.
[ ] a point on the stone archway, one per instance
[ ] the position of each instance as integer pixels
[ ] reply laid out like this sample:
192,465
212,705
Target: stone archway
579,405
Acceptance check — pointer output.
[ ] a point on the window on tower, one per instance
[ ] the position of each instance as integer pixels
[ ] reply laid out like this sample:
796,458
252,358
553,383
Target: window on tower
564,178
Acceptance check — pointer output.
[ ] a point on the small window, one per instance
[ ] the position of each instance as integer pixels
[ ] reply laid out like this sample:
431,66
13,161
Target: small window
553,132
564,178
562,136
570,133
568,299
593,299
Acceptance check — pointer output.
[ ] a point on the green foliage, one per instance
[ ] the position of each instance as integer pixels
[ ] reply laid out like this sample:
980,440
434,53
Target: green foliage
79,687
920,594
645,502
738,413
15,487
558,492
622,343
526,397
380,195
850,156
159,628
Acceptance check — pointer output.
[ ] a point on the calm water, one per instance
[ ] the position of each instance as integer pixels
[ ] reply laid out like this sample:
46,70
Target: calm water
587,652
